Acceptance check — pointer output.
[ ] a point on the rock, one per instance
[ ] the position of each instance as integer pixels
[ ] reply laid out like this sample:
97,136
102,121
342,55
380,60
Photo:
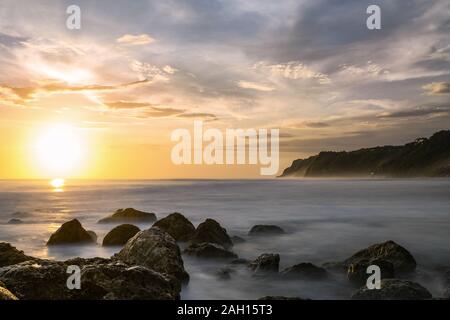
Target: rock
261,230
236,240
390,251
240,261
357,272
15,221
93,235
5,294
265,263
280,298
100,279
120,235
129,215
9,255
225,273
335,266
393,289
71,232
156,250
177,225
211,231
209,251
304,271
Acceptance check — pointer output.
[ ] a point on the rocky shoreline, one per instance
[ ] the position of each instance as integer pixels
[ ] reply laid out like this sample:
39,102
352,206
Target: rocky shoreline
150,263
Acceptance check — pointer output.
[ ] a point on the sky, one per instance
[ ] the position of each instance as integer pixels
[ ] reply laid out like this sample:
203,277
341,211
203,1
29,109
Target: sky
137,70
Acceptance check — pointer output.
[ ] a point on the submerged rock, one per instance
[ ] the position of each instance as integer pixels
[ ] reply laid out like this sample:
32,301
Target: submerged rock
304,271
393,289
120,235
390,251
265,264
15,221
225,273
209,251
211,231
261,230
236,240
156,250
357,272
9,255
129,215
71,232
177,225
240,261
5,294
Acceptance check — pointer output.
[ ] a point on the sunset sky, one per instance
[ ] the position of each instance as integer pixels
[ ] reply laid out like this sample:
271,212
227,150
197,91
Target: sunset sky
137,70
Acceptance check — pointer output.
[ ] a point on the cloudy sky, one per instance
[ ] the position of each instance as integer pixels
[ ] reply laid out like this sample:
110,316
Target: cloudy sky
139,69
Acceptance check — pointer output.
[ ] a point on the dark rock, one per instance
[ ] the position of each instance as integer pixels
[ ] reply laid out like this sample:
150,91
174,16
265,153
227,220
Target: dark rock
120,235
225,273
236,240
265,263
177,225
393,289
280,298
390,251
15,221
129,215
209,251
71,232
304,271
261,230
93,235
5,294
240,261
357,272
335,266
211,231
156,250
9,255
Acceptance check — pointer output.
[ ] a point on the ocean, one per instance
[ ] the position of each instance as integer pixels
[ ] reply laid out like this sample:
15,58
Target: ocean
325,220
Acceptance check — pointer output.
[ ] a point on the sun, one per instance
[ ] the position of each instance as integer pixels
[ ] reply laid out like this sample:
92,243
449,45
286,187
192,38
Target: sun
58,183
59,151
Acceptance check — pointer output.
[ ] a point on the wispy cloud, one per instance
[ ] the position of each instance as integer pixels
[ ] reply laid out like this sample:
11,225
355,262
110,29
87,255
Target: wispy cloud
255,86
135,40
437,88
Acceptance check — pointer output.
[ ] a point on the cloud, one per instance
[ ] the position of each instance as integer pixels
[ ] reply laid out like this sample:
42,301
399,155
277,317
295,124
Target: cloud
293,70
127,104
436,88
416,112
135,40
315,125
255,86
198,115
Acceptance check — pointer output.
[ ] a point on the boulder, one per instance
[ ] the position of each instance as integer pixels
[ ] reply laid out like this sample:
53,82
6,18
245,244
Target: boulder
93,235
304,271
177,225
211,231
357,272
236,240
156,250
5,294
120,235
129,215
15,221
209,251
393,289
390,251
265,264
262,230
71,232
9,255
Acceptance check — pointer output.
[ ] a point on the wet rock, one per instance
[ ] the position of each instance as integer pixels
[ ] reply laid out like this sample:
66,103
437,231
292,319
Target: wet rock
5,294
9,255
240,261
129,215
156,250
15,221
393,289
71,232
177,225
357,272
93,235
280,298
262,230
211,231
120,235
225,273
236,240
209,251
265,264
304,271
390,251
